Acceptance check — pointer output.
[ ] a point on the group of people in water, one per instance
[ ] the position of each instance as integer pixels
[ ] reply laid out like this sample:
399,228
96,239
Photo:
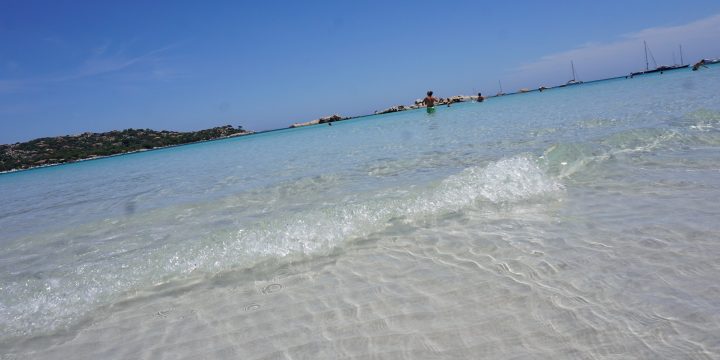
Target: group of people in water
429,101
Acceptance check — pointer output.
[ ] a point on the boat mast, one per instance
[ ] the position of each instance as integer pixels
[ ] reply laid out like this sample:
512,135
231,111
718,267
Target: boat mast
681,57
573,69
500,86
652,57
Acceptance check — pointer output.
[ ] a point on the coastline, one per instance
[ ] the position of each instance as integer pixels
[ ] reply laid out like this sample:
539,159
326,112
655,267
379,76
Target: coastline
99,157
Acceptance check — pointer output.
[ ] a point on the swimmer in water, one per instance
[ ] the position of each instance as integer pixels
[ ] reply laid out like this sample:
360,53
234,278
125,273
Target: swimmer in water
429,101
698,65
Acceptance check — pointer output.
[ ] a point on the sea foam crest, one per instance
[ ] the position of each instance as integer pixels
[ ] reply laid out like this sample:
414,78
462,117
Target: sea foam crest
507,180
319,230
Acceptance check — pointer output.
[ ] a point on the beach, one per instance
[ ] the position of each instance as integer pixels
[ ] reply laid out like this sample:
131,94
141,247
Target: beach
573,223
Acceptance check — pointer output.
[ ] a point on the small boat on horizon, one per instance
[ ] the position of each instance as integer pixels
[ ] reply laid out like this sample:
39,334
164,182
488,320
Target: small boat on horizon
574,80
500,93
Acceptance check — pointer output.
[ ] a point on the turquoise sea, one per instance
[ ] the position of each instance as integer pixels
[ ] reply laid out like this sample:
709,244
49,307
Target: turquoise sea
576,223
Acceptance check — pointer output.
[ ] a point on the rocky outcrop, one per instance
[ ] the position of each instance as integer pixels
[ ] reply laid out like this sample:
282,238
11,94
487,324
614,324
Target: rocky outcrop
393,109
308,123
322,120
458,98
331,118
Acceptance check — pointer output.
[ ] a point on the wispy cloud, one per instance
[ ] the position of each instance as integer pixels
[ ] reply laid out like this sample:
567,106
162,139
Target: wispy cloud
104,64
598,60
101,61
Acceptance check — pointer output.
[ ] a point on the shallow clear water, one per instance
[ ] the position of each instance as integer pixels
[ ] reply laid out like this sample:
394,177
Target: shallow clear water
575,223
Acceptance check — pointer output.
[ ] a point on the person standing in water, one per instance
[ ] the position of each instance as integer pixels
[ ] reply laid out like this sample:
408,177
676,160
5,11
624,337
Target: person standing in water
429,102
480,98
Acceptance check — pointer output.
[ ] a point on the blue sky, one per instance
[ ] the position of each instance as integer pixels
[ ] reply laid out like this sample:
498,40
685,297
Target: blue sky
72,66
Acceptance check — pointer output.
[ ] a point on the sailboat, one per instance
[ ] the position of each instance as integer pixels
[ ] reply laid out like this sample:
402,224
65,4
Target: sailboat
574,80
671,67
682,64
501,93
657,68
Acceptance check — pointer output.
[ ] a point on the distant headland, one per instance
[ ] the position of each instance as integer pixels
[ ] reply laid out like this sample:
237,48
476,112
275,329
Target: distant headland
71,148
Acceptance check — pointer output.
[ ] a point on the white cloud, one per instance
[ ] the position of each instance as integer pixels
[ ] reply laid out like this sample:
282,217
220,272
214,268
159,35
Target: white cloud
602,60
